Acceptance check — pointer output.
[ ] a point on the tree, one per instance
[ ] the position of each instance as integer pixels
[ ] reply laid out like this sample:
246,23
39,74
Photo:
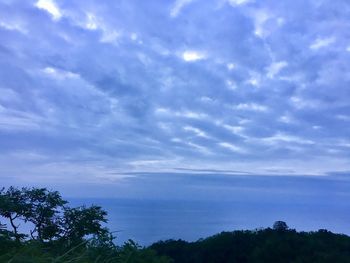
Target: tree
13,206
51,218
44,212
83,221
280,226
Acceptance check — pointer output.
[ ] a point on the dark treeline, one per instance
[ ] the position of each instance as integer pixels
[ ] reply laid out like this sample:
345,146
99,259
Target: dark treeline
60,233
278,245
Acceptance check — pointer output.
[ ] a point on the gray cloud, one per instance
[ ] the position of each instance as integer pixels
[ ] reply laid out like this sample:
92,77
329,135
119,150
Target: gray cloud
254,86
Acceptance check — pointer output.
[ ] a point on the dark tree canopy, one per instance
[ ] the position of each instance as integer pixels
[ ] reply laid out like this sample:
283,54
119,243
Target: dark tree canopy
280,226
81,221
49,215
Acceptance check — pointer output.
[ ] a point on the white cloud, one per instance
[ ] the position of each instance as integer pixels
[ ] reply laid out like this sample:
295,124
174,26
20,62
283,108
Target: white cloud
301,103
281,137
13,26
231,84
239,2
207,99
12,120
51,7
275,68
231,147
109,36
192,115
59,74
133,36
179,4
260,17
251,107
287,119
255,79
200,148
322,42
230,66
197,131
234,129
192,56
184,114
343,117
109,33
91,23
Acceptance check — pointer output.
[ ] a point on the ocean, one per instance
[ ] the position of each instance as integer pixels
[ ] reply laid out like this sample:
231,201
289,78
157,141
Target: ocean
148,221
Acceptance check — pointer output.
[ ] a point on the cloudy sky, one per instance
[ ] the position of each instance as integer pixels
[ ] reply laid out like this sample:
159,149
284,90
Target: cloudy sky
137,94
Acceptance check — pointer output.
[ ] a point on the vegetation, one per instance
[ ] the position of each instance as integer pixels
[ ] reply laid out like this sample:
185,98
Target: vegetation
279,244
59,233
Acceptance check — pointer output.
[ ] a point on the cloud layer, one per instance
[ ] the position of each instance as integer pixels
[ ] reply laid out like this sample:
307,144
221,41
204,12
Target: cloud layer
91,90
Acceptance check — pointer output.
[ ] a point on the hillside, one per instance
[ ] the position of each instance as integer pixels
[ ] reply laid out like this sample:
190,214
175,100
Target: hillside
265,245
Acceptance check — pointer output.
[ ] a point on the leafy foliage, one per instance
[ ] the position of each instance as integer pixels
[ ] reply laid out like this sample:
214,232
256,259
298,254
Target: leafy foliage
60,233
265,245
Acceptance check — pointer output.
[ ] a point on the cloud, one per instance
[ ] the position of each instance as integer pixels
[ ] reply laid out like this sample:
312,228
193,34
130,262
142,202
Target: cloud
230,66
322,42
231,147
279,137
59,74
190,56
239,2
51,7
260,18
275,68
197,131
122,83
178,6
251,107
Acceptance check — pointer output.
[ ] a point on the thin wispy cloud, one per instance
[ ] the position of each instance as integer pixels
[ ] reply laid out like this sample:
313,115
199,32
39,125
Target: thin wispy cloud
178,6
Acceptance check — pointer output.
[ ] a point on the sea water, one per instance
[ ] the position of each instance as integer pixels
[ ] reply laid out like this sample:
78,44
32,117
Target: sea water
148,221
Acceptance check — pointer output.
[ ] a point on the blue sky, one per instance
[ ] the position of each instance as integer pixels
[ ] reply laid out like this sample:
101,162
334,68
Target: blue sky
182,94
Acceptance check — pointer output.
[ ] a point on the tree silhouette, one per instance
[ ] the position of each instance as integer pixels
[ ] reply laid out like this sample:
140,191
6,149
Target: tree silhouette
13,206
45,207
280,226
82,221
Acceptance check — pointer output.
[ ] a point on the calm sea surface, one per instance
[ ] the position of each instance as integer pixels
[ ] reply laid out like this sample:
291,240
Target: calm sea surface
147,221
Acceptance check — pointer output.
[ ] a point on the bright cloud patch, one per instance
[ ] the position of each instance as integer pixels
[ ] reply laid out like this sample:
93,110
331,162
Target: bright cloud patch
231,147
230,66
59,74
190,56
322,42
197,131
251,107
238,2
260,17
51,7
91,23
275,68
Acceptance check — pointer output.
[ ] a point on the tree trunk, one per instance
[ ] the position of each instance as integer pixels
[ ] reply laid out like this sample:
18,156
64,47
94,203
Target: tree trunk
14,227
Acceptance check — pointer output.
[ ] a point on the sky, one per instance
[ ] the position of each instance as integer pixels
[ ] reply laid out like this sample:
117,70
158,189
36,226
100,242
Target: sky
176,98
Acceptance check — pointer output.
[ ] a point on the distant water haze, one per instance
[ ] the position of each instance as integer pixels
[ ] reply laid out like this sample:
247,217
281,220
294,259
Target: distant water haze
150,207
147,221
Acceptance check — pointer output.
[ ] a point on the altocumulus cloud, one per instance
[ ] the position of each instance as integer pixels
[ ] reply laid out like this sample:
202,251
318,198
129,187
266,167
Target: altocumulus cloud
94,90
